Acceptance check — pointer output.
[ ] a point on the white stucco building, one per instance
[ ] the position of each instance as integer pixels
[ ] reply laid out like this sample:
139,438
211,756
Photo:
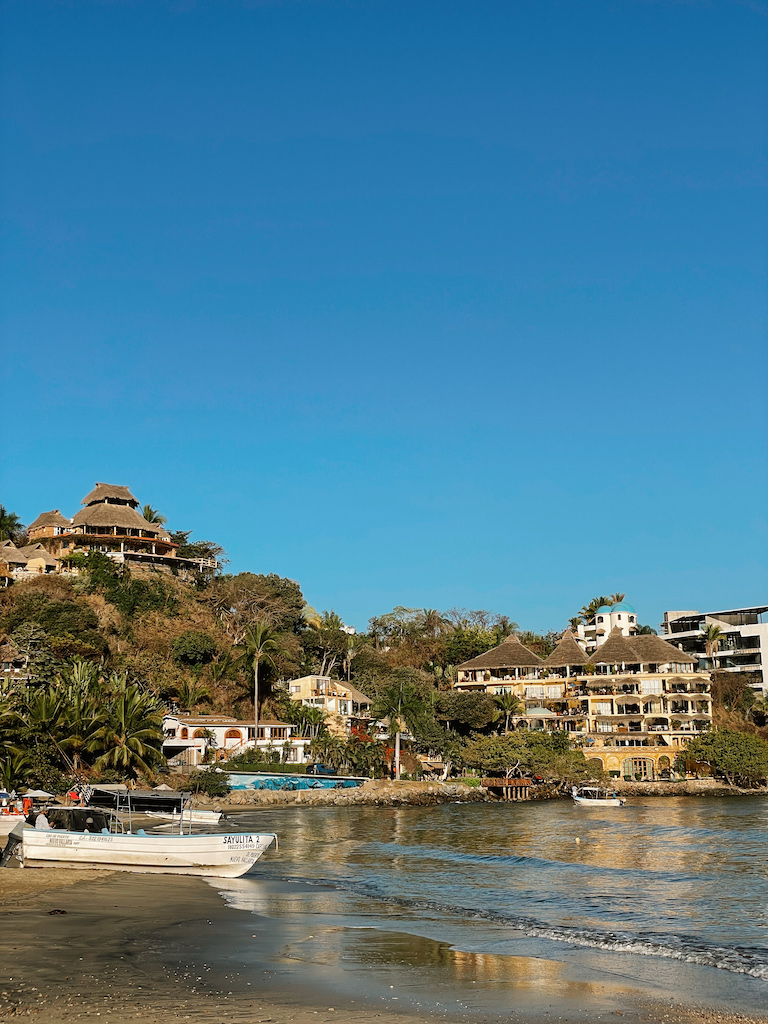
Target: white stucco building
190,737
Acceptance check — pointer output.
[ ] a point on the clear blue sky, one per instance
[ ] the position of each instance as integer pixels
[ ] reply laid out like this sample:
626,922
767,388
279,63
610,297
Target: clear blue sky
424,303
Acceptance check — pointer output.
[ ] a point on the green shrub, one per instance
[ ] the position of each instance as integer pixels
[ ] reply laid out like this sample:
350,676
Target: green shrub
193,648
210,781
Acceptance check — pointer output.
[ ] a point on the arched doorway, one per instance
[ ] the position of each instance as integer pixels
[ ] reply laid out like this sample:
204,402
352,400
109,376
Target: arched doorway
233,738
638,768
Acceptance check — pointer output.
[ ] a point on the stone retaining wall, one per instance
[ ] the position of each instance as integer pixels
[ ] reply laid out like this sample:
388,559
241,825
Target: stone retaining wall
376,794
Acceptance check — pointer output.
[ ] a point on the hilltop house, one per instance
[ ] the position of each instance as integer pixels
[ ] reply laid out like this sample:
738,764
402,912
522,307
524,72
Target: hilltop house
189,738
110,522
632,704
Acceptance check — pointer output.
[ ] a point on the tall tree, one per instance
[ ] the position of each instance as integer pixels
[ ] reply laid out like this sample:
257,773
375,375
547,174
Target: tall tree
509,705
589,611
260,642
616,598
712,636
403,706
10,525
153,516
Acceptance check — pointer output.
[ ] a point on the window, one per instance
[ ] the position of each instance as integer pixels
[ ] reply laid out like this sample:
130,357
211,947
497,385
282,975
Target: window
650,686
601,707
599,618
631,618
619,617
184,734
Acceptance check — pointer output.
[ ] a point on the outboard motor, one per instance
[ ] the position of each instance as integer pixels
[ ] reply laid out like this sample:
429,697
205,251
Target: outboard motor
15,839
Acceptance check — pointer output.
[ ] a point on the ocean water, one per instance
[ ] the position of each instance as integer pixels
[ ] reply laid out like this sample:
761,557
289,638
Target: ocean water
671,894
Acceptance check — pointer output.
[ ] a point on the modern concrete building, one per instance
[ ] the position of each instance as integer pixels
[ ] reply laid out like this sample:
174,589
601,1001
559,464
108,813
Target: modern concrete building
743,647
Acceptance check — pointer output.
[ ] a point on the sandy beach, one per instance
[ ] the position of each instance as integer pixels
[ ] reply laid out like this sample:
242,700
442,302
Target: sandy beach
79,945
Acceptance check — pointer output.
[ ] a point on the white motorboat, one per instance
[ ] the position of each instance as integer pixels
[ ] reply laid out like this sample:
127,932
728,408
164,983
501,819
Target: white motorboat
93,837
189,814
596,796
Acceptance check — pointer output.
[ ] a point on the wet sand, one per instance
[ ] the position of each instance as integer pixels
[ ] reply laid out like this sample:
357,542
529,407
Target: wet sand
78,945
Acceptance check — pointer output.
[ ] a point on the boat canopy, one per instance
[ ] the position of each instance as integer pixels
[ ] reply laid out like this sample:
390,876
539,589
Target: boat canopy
136,801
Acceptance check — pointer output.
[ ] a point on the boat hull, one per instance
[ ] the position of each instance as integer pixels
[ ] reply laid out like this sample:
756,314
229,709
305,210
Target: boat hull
608,802
220,855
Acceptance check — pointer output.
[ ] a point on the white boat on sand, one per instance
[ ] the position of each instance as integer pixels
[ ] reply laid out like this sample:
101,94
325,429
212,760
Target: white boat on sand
92,837
596,796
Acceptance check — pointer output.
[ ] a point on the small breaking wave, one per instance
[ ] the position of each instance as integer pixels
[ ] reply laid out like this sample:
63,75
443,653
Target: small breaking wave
752,963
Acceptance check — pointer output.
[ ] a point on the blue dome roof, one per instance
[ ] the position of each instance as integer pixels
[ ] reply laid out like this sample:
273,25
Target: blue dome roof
603,608
622,607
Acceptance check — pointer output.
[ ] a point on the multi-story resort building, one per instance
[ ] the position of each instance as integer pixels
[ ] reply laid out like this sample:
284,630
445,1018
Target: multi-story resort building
109,522
743,647
632,704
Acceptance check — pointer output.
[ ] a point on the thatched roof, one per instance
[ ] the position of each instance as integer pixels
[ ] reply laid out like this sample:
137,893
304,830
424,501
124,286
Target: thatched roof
53,518
616,649
11,554
105,492
114,515
356,695
656,651
509,654
38,551
566,653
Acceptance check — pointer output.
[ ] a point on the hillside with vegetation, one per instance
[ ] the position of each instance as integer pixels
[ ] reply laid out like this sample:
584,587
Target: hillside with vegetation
107,652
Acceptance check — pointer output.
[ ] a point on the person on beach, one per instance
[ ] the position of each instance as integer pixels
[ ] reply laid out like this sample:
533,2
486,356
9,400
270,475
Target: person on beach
41,821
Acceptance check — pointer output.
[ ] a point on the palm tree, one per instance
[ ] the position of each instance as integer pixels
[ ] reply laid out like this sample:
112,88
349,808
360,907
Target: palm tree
311,617
13,769
712,636
10,524
353,650
510,705
616,598
589,610
575,622
132,731
401,704
153,516
331,750
260,643
433,623
192,692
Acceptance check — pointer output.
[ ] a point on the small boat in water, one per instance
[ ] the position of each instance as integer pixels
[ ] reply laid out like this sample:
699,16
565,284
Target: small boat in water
97,837
189,814
596,796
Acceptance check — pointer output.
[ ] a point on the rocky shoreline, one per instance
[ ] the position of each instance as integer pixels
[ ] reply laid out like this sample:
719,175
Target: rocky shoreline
387,793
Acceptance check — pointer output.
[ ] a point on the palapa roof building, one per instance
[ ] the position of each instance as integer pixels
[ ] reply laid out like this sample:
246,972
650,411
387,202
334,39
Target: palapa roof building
110,522
641,649
510,660
568,654
48,524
